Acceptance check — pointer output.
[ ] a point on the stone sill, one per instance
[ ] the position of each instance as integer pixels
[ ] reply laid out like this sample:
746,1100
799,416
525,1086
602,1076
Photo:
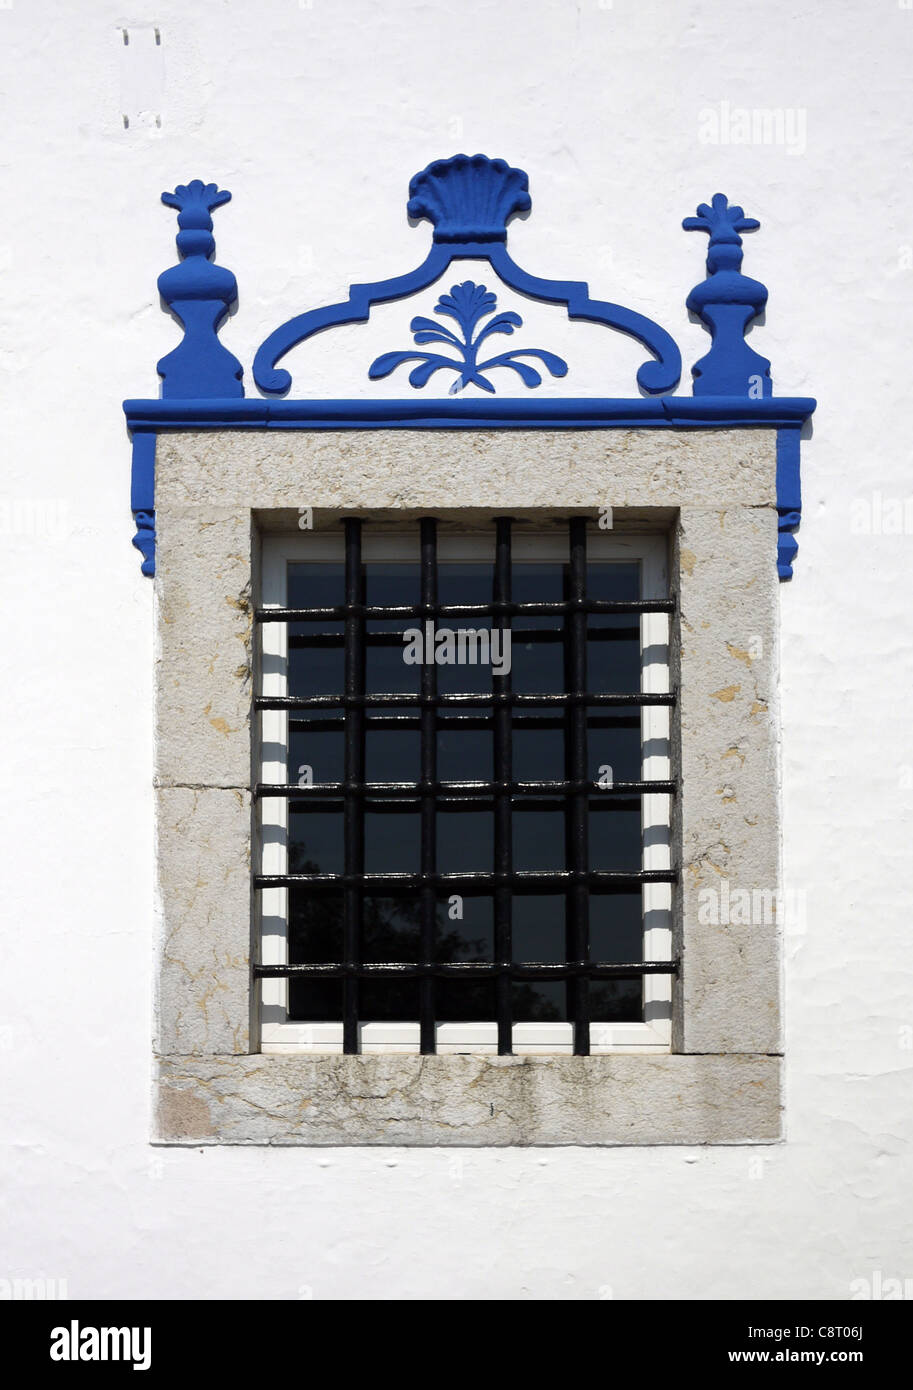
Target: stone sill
468,1101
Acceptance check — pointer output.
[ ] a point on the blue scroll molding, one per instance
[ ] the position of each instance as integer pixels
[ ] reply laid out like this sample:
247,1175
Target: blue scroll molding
469,201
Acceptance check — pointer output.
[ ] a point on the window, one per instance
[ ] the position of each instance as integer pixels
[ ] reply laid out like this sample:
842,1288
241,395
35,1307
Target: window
465,790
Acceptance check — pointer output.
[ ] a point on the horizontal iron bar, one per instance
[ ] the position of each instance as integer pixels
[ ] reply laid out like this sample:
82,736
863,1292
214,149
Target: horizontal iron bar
529,878
465,610
598,970
475,722
442,701
539,636
395,789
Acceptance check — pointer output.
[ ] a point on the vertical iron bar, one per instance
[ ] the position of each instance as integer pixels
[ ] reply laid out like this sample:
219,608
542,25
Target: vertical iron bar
503,769
578,933
353,805
427,896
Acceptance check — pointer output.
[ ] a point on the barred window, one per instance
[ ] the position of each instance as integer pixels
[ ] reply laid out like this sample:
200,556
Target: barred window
465,790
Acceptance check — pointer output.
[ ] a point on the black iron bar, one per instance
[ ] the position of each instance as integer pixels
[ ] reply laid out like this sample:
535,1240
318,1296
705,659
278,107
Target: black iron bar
553,880
503,767
353,813
511,698
475,969
577,819
497,788
465,610
428,853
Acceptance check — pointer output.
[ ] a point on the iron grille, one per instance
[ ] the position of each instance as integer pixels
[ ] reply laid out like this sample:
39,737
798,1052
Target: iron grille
355,708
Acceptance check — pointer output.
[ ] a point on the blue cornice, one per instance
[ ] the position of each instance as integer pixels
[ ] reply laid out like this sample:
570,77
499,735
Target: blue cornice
666,412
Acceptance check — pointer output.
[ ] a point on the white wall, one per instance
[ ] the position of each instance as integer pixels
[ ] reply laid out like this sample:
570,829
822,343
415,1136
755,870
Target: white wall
315,118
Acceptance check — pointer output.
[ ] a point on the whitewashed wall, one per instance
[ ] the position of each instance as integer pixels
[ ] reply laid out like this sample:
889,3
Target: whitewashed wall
315,116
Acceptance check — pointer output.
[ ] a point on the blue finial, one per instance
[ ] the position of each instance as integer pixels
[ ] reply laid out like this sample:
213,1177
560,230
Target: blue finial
201,295
469,198
726,302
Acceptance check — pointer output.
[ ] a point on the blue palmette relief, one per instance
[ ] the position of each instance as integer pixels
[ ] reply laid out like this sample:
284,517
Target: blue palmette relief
467,303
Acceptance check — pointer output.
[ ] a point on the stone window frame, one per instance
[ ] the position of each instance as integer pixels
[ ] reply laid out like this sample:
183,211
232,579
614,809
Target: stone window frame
714,492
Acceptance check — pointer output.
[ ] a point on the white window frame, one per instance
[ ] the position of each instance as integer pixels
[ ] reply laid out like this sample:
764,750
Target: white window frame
654,1034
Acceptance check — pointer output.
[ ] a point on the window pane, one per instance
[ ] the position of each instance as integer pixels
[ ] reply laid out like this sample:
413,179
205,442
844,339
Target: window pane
463,582
316,585
386,670
616,927
613,645
464,1001
465,755
392,841
315,838
315,938
321,749
465,841
539,933
390,585
538,665
391,929
613,741
393,754
615,834
616,1001
538,745
315,667
538,838
464,928
537,1001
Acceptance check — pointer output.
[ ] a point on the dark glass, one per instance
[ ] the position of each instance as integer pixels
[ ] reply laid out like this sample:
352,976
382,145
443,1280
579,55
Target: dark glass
538,665
538,752
614,741
322,749
463,582
616,1001
315,838
539,932
386,670
388,1001
616,927
465,755
613,645
618,581
391,930
393,585
314,926
464,1001
538,838
314,1001
313,669
393,755
392,841
469,677
465,841
314,938
615,834
537,1001
466,937
390,585
316,585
